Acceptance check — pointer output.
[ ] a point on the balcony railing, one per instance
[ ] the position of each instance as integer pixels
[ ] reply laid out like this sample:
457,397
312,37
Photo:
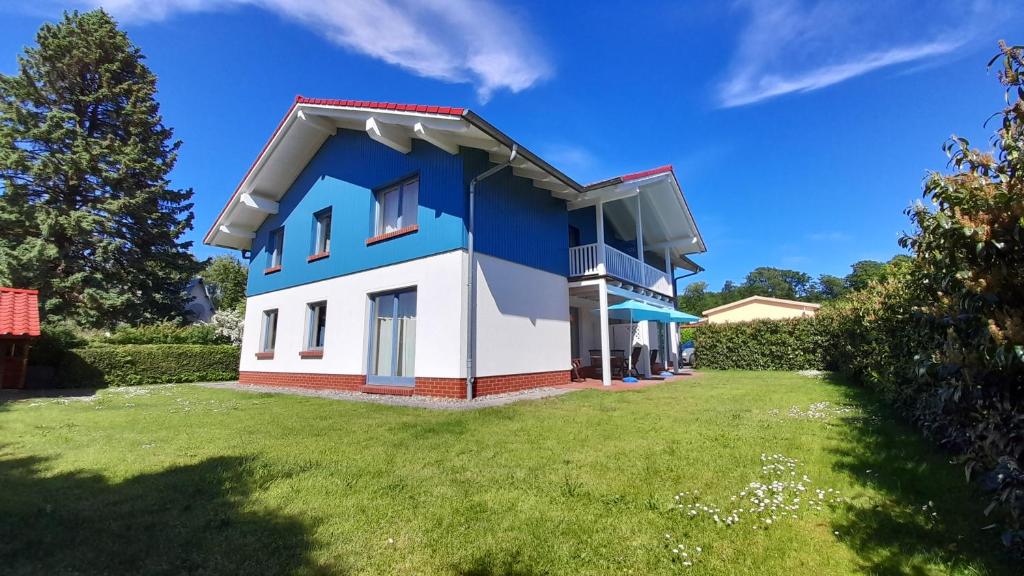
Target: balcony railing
583,261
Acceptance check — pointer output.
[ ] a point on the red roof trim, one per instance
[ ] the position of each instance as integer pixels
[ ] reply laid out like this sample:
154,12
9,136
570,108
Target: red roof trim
646,173
19,312
420,108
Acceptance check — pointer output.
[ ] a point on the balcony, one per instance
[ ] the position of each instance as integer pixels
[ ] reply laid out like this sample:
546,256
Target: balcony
585,261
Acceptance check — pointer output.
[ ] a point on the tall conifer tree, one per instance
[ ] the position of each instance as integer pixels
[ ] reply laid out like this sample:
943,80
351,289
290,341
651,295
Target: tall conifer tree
87,214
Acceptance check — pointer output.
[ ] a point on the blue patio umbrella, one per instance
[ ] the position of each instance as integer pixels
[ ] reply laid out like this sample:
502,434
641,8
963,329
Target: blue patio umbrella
636,311
682,317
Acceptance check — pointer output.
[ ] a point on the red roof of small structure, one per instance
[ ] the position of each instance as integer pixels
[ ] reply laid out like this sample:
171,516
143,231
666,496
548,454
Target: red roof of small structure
19,312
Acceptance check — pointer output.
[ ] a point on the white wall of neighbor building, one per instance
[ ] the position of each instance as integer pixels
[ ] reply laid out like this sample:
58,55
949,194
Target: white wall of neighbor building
762,310
522,319
439,319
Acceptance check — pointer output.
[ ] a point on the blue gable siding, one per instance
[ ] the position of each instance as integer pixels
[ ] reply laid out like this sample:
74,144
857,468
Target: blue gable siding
343,175
516,221
585,220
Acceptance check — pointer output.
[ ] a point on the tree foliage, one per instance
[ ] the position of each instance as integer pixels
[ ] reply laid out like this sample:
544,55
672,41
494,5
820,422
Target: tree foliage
970,257
789,285
87,214
226,277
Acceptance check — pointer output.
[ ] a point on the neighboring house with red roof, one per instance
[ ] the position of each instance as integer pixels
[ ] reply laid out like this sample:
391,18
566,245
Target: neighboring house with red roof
19,324
418,249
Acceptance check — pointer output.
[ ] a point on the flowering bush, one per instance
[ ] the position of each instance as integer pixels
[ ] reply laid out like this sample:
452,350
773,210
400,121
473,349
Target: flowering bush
229,324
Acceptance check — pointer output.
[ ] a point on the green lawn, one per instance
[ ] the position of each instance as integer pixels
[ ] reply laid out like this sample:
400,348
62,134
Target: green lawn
183,479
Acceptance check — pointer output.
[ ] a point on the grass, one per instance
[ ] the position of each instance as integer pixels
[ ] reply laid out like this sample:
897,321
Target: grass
184,479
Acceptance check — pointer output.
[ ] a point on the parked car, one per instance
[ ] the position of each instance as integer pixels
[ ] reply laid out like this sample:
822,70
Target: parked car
687,353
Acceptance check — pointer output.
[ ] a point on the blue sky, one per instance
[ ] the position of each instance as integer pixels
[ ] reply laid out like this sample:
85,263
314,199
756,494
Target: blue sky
799,130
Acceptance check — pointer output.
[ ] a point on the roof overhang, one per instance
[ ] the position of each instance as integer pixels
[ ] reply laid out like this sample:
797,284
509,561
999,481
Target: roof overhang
309,122
666,219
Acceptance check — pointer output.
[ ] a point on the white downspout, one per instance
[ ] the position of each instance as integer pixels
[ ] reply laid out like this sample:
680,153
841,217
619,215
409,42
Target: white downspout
471,277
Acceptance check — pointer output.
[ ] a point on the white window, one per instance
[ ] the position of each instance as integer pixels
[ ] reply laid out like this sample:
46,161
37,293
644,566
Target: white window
397,206
269,333
275,247
393,338
316,321
322,232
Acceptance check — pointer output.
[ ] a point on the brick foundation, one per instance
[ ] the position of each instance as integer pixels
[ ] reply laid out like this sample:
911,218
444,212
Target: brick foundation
441,387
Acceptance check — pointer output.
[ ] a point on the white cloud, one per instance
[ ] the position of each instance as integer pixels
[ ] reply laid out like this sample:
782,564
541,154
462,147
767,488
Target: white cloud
793,46
462,41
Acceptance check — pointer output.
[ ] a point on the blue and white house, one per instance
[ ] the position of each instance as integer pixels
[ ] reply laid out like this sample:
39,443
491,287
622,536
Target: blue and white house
418,249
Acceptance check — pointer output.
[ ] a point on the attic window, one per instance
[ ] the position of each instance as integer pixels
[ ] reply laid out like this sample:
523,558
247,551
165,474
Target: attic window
397,206
321,234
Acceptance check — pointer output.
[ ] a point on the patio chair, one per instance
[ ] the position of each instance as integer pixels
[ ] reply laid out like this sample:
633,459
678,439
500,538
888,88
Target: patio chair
577,367
618,364
656,366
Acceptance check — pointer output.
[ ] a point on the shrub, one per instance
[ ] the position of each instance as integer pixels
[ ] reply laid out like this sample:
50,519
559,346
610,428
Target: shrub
230,324
167,333
794,344
132,365
54,341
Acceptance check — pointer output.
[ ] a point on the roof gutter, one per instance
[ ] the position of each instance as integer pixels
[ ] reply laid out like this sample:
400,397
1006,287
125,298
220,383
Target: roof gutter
486,127
471,276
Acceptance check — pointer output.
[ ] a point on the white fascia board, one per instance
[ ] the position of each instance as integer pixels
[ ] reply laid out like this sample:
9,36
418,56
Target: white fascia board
608,194
357,116
689,216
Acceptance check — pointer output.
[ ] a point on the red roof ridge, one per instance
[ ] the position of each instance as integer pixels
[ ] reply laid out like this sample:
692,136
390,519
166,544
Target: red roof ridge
19,290
420,108
646,173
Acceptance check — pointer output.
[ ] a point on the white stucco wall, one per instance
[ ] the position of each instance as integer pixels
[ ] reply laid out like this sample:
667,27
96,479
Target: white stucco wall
439,319
522,319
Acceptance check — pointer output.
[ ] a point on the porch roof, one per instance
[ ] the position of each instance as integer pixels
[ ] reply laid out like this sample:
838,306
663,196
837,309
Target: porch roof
310,121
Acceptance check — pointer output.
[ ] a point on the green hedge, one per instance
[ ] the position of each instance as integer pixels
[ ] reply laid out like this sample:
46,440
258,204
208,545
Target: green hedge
796,344
166,333
136,364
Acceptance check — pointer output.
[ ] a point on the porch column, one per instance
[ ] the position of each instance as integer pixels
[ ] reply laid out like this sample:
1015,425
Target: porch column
599,209
606,345
673,336
639,232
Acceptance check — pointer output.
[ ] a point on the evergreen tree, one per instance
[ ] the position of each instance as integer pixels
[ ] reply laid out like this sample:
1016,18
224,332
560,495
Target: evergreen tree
87,215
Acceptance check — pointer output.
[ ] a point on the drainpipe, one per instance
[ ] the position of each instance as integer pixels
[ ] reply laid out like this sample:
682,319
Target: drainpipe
471,277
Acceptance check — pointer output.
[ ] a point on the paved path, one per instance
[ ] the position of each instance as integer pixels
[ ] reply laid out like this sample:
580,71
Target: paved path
411,401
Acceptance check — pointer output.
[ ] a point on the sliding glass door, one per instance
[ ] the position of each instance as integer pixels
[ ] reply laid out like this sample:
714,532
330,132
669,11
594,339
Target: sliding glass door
393,338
